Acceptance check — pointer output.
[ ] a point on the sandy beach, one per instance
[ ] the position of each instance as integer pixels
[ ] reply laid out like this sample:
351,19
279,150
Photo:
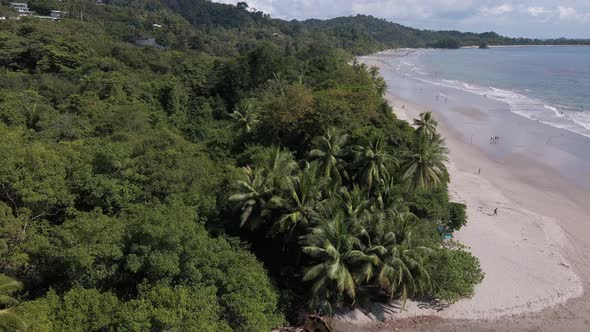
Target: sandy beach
535,251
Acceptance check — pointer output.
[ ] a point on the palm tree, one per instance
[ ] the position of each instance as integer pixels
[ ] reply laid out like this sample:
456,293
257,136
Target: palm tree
328,150
245,117
303,193
262,184
425,167
374,162
9,319
389,196
252,193
380,85
401,266
426,125
354,202
333,246
358,67
374,71
278,84
378,82
278,165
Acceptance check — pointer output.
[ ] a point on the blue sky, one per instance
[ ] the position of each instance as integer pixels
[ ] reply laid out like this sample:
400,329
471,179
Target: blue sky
525,18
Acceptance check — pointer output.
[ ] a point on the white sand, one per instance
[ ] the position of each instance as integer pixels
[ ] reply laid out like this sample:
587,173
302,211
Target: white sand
522,252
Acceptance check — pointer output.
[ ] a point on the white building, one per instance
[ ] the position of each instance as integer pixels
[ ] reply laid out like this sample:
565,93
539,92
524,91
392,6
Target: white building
22,8
58,14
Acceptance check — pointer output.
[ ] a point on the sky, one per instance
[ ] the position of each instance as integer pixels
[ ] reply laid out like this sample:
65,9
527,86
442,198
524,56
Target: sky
514,18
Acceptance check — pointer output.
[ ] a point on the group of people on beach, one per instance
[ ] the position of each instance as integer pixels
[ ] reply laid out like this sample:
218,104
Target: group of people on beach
494,139
441,95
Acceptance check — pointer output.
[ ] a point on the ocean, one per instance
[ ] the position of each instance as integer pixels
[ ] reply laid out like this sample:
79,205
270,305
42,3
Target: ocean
548,84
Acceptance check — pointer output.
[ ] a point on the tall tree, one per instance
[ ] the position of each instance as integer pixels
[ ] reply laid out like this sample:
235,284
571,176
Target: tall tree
374,163
302,194
252,194
245,117
424,167
402,266
9,319
329,150
333,246
426,125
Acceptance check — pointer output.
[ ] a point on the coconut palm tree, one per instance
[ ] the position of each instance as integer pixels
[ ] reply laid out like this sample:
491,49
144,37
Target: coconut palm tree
328,150
374,72
401,266
374,162
425,167
278,84
302,195
245,117
252,194
279,164
426,125
354,202
262,184
333,246
9,319
380,85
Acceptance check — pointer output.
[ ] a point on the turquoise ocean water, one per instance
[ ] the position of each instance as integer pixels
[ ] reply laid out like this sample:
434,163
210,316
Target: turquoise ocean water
549,84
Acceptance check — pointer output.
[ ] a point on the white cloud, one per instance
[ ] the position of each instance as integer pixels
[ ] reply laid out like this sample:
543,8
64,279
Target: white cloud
497,10
568,14
537,11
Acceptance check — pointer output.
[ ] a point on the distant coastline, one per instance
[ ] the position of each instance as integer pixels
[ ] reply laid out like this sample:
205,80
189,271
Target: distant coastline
538,45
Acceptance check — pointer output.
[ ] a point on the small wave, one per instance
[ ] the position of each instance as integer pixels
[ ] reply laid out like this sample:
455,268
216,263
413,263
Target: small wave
519,102
523,105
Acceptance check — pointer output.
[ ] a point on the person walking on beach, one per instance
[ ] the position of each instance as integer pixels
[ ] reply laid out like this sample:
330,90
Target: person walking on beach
495,211
479,171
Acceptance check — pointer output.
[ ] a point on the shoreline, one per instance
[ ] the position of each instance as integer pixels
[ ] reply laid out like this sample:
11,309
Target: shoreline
550,112
540,231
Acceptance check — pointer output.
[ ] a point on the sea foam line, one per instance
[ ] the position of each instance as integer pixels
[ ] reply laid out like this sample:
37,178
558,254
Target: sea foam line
519,103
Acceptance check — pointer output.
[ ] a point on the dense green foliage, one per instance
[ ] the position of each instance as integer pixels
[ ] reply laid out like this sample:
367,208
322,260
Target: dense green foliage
456,274
458,216
220,182
451,43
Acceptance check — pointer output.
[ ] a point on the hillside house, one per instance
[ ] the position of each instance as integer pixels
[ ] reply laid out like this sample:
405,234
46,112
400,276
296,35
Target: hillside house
22,8
58,14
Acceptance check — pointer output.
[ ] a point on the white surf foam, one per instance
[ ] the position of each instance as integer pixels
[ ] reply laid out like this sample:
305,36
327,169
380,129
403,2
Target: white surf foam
518,102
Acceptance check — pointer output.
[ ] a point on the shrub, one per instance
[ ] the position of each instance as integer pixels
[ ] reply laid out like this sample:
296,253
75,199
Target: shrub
455,274
457,216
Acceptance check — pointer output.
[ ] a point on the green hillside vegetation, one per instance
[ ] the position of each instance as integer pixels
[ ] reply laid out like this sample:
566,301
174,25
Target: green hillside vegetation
246,173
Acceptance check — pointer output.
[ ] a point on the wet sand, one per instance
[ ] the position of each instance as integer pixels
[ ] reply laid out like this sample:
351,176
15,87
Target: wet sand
535,253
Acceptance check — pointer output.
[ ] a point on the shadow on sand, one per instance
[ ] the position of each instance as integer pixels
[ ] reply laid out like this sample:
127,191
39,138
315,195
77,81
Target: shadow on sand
432,304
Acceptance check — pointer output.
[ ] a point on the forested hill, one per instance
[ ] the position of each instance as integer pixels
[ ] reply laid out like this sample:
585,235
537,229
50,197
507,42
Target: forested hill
359,34
229,30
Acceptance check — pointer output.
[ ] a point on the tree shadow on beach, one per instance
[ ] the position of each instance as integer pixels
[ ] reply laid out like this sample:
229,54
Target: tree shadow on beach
382,311
433,304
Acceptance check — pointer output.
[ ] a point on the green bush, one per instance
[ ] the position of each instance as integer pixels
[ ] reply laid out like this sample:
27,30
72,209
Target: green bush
455,274
457,216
